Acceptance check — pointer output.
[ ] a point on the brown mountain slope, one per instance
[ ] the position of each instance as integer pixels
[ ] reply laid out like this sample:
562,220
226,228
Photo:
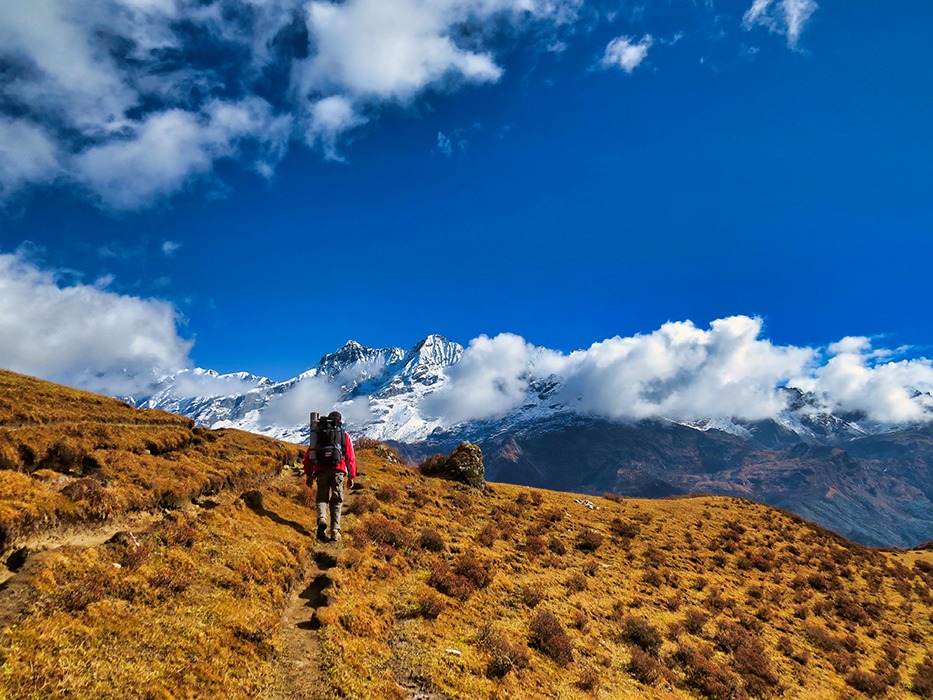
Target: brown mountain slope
437,591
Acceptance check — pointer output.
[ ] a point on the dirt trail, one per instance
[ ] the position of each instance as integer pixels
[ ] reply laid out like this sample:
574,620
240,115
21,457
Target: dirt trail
297,670
298,667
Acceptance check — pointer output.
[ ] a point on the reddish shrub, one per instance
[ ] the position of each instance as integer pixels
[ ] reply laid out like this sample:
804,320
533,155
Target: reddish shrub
704,675
474,570
871,684
548,636
535,545
643,667
504,656
922,682
531,595
642,634
557,546
625,530
380,530
430,605
431,540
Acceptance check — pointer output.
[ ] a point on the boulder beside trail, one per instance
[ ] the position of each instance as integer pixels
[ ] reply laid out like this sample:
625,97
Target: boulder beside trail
464,464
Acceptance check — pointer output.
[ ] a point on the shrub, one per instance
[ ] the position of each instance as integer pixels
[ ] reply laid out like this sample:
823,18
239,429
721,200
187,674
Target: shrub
504,656
431,540
531,595
581,621
176,532
694,621
922,682
360,505
380,530
430,605
487,536
871,684
548,636
535,545
640,633
589,541
468,575
704,675
474,570
557,546
589,680
366,443
625,530
449,583
388,493
576,582
643,667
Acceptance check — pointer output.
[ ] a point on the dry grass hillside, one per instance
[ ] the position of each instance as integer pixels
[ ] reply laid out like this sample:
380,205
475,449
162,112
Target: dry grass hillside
149,559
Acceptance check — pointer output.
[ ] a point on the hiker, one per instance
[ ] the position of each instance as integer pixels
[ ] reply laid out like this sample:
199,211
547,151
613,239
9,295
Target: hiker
330,461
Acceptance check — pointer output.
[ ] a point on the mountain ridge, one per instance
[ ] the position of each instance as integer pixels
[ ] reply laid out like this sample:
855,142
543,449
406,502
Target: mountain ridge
388,394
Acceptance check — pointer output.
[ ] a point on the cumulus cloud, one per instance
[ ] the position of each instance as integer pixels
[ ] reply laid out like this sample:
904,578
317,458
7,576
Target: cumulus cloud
856,377
623,53
96,93
490,379
293,407
83,335
151,93
683,372
787,17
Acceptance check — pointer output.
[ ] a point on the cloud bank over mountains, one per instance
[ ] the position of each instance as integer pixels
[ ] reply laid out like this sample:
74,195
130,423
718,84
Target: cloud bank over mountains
89,337
130,101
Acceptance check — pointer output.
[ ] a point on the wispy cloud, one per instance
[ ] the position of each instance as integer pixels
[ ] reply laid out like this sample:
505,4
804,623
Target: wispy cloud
623,52
84,335
169,248
787,17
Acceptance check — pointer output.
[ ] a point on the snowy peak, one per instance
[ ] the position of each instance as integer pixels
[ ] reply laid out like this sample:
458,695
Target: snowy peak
352,355
430,357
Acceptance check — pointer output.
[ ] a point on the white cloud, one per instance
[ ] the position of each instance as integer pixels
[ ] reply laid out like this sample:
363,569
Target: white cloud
27,154
857,378
488,381
293,407
169,248
329,118
683,372
166,150
787,17
109,95
389,50
622,53
83,335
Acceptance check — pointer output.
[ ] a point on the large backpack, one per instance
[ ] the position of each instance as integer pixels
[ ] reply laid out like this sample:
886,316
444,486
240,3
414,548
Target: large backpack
329,446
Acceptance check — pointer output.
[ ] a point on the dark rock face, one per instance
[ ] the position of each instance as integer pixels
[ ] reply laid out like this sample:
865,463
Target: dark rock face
464,464
876,490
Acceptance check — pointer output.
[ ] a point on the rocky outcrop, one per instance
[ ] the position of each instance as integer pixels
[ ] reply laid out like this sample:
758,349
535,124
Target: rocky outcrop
464,464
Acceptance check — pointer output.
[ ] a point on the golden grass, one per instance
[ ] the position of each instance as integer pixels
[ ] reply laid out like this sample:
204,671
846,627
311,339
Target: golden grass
512,593
738,595
125,459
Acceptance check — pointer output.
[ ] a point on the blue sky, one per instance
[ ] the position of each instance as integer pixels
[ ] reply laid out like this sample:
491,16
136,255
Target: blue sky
247,185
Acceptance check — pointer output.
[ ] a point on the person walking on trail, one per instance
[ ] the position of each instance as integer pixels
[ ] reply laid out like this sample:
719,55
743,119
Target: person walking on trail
330,462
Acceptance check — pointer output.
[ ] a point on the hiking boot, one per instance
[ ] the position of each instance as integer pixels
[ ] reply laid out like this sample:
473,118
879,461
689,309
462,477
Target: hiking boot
335,536
322,532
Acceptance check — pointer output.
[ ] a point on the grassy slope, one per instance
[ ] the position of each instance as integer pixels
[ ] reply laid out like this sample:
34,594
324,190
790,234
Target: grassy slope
726,597
437,587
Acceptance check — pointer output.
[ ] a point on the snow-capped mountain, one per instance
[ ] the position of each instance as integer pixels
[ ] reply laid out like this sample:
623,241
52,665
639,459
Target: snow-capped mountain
379,391
867,481
382,393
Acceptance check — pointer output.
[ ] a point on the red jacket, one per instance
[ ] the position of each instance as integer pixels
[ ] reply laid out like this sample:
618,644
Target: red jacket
347,465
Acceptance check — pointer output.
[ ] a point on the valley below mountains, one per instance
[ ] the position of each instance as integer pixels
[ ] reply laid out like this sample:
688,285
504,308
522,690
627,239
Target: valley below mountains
871,483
